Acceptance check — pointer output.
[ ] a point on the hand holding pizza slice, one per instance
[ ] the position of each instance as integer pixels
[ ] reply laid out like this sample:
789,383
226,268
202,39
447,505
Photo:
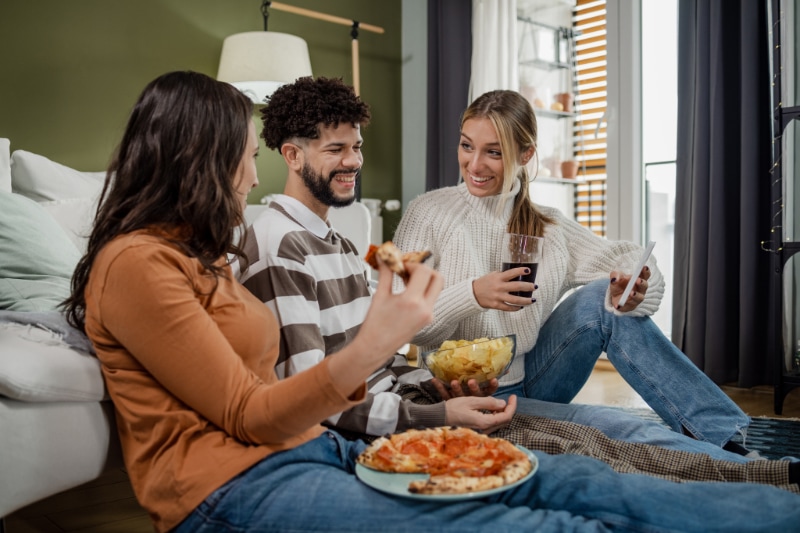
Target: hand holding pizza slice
391,256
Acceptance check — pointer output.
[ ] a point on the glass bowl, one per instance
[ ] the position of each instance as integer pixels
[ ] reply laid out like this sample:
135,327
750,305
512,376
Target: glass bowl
480,359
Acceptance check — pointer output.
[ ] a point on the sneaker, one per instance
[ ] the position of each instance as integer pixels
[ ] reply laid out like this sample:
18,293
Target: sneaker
754,455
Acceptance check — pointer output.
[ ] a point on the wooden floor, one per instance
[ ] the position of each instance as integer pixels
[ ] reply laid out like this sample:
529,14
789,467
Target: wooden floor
606,387
108,505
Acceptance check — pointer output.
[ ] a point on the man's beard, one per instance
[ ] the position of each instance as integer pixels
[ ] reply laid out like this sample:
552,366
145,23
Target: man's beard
321,188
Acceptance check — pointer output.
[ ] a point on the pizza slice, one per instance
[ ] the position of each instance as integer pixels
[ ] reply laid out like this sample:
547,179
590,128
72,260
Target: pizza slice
390,255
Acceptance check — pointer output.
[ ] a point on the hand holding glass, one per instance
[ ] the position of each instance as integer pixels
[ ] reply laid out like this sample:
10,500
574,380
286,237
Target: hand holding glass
522,251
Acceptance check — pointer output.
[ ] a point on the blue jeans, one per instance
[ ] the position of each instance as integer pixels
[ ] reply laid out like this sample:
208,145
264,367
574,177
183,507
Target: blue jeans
580,329
312,488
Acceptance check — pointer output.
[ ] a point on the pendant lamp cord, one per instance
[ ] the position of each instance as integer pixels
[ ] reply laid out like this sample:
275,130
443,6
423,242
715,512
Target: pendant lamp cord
265,12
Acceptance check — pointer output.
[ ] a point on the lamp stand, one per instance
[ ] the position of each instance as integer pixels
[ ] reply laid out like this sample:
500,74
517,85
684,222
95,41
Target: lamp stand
354,24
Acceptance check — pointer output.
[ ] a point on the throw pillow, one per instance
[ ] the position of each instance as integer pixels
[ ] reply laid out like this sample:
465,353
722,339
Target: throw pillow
41,179
37,257
75,216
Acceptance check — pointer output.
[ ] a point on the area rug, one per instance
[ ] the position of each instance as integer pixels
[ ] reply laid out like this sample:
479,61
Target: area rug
773,438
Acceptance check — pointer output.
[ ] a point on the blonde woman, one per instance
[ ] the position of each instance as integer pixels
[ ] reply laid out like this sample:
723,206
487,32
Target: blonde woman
463,226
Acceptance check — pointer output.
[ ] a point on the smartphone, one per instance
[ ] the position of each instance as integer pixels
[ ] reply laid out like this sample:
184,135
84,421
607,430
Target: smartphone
635,273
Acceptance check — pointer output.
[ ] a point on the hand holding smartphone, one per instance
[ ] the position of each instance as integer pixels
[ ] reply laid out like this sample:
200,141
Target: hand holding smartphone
635,273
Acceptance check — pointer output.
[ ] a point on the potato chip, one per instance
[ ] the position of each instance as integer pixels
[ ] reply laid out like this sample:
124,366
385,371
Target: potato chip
480,359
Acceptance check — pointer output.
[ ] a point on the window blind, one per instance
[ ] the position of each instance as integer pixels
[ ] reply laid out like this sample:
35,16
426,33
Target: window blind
589,126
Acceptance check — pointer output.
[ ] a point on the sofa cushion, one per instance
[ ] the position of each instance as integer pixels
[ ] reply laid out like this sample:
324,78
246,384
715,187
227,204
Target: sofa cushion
5,166
75,216
41,179
36,365
38,257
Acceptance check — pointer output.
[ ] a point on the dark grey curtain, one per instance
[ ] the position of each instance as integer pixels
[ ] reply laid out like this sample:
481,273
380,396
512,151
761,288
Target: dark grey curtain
449,56
722,208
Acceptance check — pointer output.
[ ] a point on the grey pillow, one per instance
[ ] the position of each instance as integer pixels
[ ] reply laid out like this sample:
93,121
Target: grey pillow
37,257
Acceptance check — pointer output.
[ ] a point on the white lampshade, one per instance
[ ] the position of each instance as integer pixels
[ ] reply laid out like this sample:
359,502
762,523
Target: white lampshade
258,62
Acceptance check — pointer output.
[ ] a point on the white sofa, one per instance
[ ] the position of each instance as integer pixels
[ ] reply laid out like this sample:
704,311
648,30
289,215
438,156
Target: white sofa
57,426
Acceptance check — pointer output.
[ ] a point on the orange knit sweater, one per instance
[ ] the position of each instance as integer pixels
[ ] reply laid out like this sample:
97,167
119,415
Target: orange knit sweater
190,371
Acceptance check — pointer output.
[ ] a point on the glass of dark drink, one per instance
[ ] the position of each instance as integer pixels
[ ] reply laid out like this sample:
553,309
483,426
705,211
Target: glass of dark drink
522,251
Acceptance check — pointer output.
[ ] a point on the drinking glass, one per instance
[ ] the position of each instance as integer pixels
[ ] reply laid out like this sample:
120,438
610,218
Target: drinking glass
522,251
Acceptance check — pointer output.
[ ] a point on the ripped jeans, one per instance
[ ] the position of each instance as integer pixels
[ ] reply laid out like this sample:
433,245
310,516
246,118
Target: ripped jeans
575,335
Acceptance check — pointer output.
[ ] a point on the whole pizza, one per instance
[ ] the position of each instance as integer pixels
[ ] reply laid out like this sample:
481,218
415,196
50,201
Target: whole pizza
459,460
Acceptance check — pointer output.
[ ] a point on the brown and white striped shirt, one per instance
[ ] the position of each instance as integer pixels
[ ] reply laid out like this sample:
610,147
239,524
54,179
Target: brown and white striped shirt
313,279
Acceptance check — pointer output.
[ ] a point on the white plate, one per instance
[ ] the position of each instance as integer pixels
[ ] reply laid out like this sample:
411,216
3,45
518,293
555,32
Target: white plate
397,484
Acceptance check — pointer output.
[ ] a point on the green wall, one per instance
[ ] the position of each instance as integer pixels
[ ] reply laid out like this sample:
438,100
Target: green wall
72,69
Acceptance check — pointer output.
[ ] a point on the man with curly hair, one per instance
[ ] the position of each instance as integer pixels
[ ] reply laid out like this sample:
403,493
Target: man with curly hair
318,120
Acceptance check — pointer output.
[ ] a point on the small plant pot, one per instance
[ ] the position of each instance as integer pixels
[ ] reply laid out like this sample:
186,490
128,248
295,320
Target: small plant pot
569,169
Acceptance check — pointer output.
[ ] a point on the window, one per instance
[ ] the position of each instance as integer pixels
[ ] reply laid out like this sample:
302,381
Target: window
627,131
659,135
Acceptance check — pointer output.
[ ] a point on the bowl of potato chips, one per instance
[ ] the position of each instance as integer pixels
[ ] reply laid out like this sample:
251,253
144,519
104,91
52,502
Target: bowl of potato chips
480,359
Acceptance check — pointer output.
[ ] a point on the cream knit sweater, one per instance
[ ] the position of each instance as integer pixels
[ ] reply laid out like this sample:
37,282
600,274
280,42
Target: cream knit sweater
464,232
